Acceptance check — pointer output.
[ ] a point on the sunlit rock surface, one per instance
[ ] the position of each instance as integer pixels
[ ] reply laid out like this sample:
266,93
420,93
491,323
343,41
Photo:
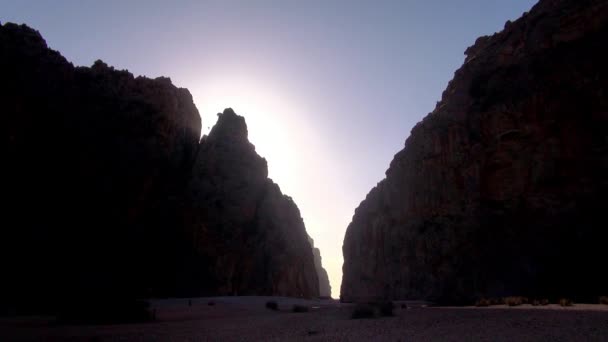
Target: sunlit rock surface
502,189
99,168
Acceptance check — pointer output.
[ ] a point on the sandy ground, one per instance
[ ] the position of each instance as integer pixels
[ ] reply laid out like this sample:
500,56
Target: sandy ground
247,319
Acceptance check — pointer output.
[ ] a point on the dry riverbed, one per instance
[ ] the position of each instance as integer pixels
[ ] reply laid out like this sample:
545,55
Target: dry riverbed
247,319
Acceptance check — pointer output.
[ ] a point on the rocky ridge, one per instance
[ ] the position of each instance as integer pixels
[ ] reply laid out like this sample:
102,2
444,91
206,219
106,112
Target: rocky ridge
110,194
250,235
501,190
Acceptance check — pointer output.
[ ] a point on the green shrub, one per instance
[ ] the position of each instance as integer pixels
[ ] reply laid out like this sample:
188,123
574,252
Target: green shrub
535,302
272,305
299,308
565,302
363,311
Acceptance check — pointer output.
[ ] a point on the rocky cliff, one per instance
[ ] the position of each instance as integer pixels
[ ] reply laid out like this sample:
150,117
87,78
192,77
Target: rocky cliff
98,171
249,235
324,286
502,189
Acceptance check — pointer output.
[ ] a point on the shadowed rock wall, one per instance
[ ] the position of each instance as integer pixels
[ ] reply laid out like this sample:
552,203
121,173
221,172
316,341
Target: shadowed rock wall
502,189
98,174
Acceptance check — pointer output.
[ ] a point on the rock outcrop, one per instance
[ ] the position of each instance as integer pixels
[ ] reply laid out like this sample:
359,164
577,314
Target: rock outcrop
249,235
324,286
98,171
502,188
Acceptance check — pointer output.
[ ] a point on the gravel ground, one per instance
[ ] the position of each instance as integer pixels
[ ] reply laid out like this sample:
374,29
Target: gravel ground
247,319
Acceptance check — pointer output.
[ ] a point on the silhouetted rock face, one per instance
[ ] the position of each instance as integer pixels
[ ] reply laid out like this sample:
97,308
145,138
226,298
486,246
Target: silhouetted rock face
90,154
250,237
502,189
324,287
98,168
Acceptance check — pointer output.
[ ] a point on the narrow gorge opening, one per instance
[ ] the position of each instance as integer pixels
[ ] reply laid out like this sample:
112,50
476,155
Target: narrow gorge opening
288,165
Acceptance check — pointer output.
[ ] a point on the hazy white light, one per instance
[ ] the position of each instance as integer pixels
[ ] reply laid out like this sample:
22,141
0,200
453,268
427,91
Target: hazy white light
297,159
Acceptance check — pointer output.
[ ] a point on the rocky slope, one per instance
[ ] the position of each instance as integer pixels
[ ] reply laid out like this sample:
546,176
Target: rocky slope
502,188
98,171
324,286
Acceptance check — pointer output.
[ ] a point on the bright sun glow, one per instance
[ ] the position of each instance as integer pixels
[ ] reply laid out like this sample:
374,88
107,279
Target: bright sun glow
279,130
267,117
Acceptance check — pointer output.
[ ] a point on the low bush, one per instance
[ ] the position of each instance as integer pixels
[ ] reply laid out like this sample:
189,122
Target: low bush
386,308
482,302
363,311
272,305
604,300
539,302
565,302
299,308
514,301
497,301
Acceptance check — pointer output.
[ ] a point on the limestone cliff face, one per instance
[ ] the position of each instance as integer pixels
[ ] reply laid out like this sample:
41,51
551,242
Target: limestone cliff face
249,235
324,286
502,188
98,168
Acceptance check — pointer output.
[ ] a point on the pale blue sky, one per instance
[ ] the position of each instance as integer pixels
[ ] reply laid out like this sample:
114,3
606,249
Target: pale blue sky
330,89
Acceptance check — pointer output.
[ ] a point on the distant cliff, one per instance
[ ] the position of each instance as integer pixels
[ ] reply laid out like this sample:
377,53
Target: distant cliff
502,189
324,286
109,193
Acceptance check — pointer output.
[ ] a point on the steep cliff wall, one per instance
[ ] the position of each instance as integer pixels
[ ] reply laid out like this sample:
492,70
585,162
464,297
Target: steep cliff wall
89,153
97,172
250,237
502,188
324,286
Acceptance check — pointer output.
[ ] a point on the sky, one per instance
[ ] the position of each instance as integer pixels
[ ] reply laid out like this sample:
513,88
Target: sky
330,89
